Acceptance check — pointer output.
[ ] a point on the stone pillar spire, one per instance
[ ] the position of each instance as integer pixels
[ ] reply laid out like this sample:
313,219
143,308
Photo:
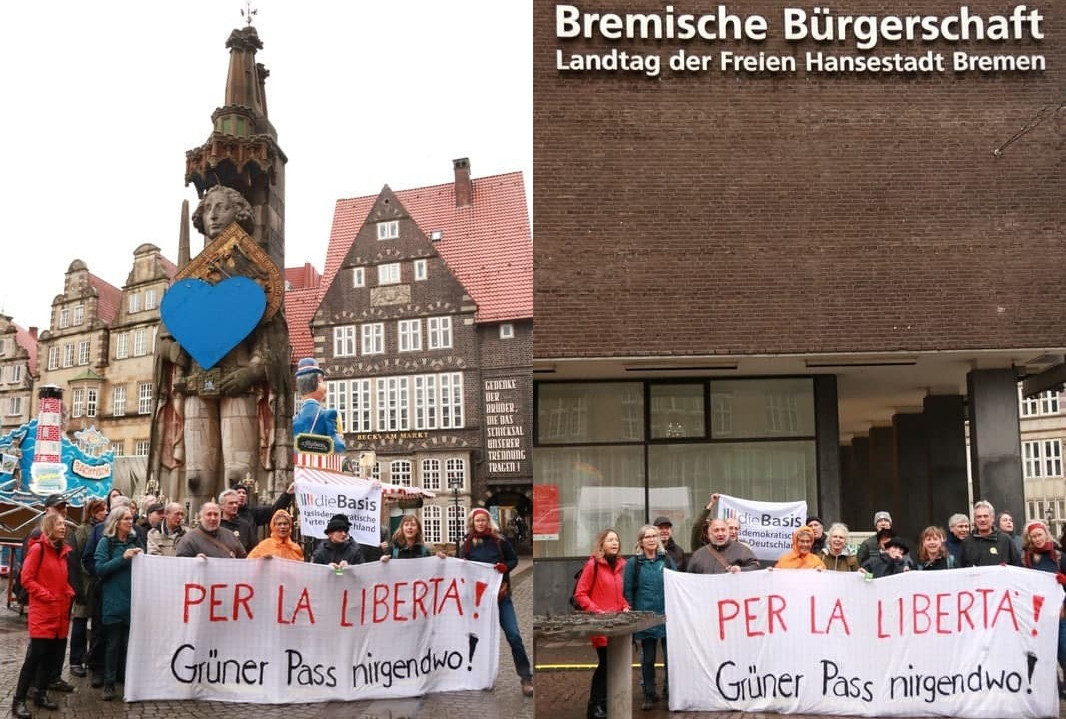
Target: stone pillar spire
242,150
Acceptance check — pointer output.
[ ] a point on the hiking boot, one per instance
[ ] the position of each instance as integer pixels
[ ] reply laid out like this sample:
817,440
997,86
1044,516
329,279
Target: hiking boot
44,702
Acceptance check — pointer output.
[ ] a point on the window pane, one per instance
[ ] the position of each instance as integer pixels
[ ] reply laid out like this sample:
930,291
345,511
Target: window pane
763,408
599,487
683,477
596,412
677,410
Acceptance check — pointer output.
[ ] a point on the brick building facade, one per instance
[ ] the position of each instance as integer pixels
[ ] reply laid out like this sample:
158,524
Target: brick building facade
423,325
840,254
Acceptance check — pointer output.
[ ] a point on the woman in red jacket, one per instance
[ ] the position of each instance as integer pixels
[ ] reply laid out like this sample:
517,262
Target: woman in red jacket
44,575
599,590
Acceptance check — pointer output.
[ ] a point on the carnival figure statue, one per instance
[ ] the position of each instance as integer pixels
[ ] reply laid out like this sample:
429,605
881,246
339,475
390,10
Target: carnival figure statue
313,418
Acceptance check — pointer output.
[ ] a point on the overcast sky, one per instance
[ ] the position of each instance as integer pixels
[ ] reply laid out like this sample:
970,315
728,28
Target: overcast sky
102,99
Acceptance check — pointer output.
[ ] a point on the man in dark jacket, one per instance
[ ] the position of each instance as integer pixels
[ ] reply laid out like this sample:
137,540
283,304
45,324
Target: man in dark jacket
987,546
673,549
893,560
872,545
338,550
243,529
721,555
259,515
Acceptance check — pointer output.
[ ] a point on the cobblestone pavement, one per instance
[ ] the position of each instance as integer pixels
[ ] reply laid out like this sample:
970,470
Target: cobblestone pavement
505,700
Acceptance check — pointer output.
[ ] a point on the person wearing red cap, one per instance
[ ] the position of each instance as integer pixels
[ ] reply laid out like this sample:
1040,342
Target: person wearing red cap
1039,552
484,543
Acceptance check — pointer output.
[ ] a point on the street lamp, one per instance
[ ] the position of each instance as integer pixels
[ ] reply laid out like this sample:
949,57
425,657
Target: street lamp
367,460
455,484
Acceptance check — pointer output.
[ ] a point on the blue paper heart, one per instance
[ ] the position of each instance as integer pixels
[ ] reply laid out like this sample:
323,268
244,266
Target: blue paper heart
210,320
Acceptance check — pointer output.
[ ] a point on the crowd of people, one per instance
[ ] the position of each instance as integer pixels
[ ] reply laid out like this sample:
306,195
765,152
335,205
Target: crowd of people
611,582
78,580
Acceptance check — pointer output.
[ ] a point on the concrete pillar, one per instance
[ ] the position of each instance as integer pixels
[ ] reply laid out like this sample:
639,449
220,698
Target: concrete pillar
861,516
883,489
847,485
995,442
827,446
913,512
945,440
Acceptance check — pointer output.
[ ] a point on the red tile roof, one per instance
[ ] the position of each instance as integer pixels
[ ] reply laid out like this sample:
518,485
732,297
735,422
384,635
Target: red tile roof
24,338
488,245
169,267
110,299
300,306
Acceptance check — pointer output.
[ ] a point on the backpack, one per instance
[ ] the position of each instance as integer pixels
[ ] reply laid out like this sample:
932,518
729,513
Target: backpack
17,590
577,578
22,596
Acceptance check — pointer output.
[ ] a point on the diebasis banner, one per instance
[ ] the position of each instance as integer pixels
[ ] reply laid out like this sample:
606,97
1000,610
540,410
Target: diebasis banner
766,527
272,631
317,502
977,642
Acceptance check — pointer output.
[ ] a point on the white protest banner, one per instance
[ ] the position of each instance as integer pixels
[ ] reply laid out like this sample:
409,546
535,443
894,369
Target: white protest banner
359,500
766,527
273,631
977,642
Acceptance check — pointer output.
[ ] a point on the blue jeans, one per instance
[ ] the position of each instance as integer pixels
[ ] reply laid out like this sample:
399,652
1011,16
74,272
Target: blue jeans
509,624
647,665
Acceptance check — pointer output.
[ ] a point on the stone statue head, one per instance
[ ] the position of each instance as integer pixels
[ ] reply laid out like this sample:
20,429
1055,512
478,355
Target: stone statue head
220,207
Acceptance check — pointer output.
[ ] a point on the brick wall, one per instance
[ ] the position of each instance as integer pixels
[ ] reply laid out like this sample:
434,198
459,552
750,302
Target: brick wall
508,459
740,213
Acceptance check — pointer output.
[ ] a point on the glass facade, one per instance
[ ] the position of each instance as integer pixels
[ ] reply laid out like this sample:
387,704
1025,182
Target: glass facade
617,454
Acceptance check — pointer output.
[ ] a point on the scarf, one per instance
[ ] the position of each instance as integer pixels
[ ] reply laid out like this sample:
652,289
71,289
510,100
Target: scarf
1032,555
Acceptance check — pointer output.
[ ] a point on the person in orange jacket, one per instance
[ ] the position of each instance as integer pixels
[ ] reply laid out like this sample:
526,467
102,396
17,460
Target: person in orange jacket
801,556
279,543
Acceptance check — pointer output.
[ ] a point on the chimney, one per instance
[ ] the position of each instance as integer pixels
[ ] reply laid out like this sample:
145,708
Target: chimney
33,333
464,188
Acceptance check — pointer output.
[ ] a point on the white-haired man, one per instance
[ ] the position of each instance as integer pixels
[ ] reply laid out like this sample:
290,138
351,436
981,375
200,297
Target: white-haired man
987,546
